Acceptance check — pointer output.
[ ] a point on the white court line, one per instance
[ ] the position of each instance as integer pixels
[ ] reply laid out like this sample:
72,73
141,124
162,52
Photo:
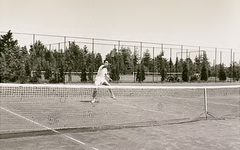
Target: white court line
53,130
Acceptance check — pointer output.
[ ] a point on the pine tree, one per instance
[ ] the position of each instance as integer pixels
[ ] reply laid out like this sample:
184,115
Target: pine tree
138,76
204,73
140,73
185,73
222,73
84,75
11,61
205,67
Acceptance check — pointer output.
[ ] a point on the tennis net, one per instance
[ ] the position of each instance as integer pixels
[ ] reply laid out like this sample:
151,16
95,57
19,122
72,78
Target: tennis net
49,109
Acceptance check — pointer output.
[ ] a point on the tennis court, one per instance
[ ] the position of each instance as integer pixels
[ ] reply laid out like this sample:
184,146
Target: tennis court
142,117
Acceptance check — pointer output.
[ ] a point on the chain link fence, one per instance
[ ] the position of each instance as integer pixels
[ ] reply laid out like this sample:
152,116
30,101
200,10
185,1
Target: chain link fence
146,53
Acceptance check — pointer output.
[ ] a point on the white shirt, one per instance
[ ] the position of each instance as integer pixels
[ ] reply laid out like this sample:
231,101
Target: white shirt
102,72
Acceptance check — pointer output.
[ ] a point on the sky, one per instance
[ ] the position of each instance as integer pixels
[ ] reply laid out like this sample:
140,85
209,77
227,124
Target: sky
214,23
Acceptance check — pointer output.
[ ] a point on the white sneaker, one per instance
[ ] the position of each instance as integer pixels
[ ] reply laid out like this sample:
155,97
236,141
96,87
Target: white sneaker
93,101
113,97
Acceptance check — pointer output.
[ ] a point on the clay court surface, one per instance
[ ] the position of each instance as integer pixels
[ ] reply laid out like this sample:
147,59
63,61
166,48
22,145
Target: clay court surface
202,135
135,121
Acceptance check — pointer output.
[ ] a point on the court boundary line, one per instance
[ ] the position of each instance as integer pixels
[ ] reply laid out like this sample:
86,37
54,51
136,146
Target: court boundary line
48,128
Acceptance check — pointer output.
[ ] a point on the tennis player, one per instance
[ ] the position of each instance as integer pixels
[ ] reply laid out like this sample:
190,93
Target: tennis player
102,78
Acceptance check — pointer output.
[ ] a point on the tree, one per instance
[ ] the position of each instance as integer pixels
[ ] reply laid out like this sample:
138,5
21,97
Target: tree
177,64
170,64
197,63
135,62
204,73
147,61
11,61
237,72
140,73
24,70
124,59
185,73
7,42
98,61
50,63
233,71
161,65
84,75
90,65
138,77
74,58
114,70
205,70
222,73
56,66
191,67
37,58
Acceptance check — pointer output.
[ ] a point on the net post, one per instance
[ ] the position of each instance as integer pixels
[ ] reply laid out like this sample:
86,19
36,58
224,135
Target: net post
205,102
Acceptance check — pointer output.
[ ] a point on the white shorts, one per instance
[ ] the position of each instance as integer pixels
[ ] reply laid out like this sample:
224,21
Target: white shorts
100,81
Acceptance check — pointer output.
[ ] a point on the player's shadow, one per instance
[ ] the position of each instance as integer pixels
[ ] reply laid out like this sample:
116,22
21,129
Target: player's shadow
85,101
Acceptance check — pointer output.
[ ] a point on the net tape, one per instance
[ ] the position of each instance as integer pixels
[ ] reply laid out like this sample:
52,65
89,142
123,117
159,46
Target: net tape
49,90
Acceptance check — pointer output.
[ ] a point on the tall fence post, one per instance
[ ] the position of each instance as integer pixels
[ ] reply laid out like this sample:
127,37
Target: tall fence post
221,57
181,50
65,40
141,50
231,64
33,39
215,65
170,63
63,68
93,53
153,65
199,51
119,45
